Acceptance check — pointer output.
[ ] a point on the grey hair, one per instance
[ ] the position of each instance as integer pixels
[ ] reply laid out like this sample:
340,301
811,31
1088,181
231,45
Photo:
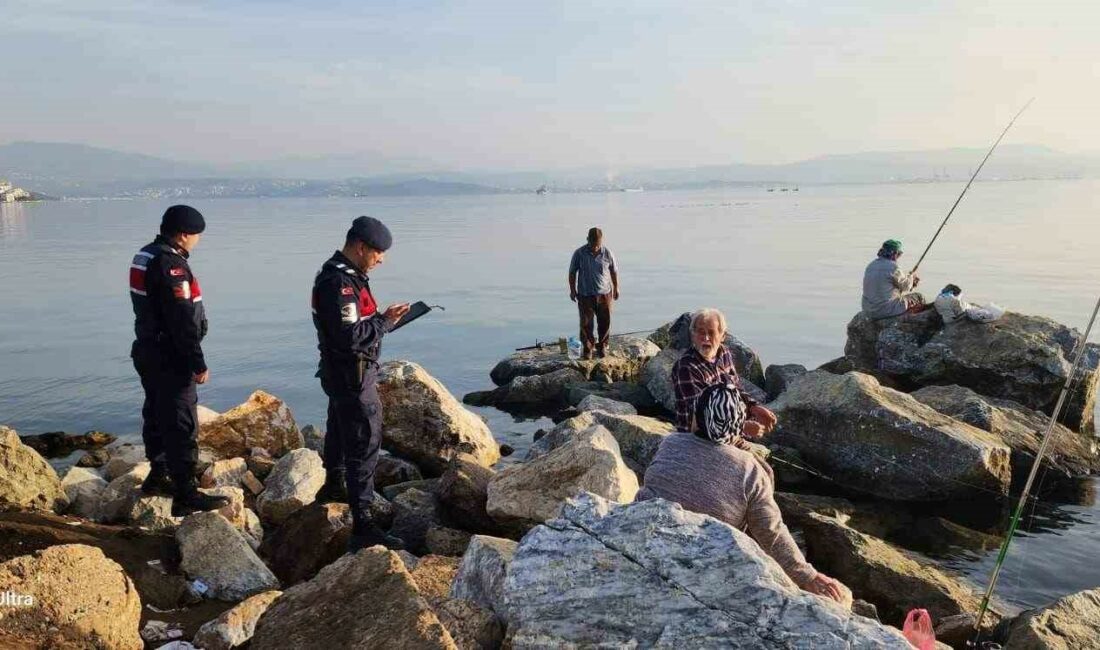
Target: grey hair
708,313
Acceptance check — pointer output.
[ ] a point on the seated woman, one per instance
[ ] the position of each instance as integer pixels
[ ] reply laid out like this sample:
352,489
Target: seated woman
705,473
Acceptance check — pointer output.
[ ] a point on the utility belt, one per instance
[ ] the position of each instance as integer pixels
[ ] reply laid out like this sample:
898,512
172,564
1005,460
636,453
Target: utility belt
347,372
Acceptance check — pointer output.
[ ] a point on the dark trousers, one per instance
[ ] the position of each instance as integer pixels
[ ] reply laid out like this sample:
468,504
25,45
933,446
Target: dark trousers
596,308
353,440
169,418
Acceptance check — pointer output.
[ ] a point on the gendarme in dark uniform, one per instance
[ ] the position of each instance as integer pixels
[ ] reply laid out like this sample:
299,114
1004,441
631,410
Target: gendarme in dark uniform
349,334
169,324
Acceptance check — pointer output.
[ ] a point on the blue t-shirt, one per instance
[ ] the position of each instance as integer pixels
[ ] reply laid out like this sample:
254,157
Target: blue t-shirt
593,271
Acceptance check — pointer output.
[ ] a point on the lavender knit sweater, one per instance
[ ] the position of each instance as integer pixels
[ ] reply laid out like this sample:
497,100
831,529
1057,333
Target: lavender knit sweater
728,484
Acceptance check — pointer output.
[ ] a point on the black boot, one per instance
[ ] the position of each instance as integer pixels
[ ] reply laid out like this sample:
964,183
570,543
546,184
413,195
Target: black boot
157,482
335,488
372,536
188,499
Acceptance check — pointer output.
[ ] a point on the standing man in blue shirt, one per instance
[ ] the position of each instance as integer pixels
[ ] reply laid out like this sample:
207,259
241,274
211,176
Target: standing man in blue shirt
594,285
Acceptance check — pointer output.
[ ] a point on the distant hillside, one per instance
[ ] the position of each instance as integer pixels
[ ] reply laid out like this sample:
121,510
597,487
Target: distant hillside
60,168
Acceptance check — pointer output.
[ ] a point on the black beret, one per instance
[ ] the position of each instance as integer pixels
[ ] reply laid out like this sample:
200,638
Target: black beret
371,232
182,219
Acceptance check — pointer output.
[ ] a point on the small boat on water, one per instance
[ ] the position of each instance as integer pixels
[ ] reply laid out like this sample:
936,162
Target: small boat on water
632,189
542,190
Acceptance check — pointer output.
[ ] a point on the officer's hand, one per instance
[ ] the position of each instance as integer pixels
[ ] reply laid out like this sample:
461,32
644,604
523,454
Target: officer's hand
573,296
201,377
395,313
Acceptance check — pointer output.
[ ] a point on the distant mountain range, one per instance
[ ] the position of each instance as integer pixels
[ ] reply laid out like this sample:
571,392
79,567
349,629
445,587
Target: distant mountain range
75,170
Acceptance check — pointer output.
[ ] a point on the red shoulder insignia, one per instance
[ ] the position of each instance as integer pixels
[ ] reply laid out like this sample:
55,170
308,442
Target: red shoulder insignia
176,272
347,291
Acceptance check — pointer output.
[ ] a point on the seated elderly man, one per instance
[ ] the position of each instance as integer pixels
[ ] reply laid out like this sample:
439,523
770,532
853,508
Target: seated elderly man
705,473
708,362
888,290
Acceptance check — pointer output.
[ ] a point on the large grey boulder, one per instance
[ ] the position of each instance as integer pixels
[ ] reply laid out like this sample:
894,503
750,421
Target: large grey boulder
117,500
218,554
597,403
1021,358
534,492
529,390
426,424
480,576
885,443
462,492
26,479
123,458
652,574
778,377
625,358
638,436
307,541
631,393
365,600
292,485
1069,455
83,486
1070,622
235,626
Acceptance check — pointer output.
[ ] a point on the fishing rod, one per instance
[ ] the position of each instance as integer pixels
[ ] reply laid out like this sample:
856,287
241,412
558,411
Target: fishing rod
542,345
972,177
1047,436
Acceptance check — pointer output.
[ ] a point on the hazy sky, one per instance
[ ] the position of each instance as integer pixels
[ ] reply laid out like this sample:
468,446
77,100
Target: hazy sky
547,84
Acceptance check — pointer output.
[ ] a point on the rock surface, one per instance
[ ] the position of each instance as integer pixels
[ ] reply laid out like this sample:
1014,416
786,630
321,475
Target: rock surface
1068,623
123,458
366,600
308,540
625,358
778,377
117,500
224,473
82,487
638,436
235,626
463,490
534,492
153,512
26,479
80,599
415,513
58,444
1069,455
597,403
261,421
1021,358
213,551
392,470
292,485
621,391
654,575
530,390
657,378
480,576
426,424
887,443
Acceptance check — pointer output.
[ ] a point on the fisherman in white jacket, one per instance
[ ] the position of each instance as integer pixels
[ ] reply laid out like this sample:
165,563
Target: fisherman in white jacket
888,290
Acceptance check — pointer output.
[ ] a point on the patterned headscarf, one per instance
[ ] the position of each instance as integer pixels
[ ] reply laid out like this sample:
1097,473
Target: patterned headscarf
720,414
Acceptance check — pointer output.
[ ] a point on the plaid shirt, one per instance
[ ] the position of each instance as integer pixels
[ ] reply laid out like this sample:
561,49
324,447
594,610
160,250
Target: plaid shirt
692,374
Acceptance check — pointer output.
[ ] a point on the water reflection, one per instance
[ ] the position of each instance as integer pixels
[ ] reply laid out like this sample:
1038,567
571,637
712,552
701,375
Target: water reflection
13,221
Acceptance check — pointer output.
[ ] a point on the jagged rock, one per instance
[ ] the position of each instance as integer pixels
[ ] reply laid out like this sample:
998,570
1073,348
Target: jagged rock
415,513
235,626
213,551
677,335
480,576
1072,621
621,391
261,421
864,608
529,390
597,403
124,458
1021,358
426,424
251,483
534,492
638,436
260,462
82,487
95,458
292,485
894,580
153,512
330,611
118,498
652,574
657,378
58,444
430,485
434,574
463,490
235,512
470,625
314,438
778,377
624,361
1069,455
26,479
392,470
886,443
308,540
227,473
80,598
449,542
206,414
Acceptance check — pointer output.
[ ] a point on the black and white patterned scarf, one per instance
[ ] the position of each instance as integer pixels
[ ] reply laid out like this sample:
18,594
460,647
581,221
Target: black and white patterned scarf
720,414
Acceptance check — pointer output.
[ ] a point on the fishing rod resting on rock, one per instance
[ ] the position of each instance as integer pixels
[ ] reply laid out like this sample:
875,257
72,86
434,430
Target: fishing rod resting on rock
971,181
1047,436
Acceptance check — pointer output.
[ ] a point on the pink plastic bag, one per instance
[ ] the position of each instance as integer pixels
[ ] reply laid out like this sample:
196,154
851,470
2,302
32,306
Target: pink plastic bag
918,630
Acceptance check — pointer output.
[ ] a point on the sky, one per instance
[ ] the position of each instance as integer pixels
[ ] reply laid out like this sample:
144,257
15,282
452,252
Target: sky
543,85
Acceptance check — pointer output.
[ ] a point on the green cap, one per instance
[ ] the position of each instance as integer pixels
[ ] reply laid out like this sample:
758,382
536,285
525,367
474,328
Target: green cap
891,245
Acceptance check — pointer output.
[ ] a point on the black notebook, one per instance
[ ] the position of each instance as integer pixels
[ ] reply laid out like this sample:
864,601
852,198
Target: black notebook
416,310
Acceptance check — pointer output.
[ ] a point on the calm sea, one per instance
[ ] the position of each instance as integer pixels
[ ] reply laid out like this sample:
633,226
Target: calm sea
784,266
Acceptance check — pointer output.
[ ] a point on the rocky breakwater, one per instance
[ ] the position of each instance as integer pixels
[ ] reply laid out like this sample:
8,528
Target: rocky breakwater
885,443
1020,357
